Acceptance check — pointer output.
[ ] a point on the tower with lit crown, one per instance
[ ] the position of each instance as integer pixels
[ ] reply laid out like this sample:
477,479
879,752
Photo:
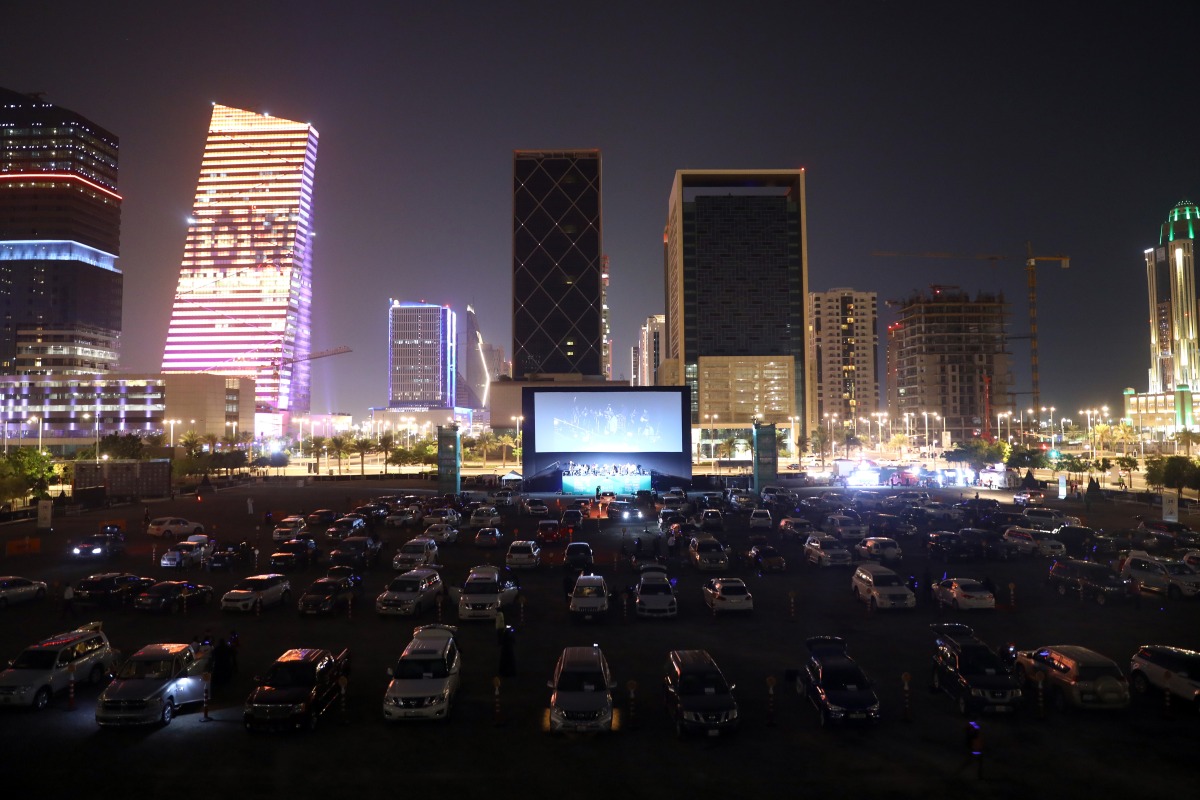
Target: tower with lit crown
245,283
1171,280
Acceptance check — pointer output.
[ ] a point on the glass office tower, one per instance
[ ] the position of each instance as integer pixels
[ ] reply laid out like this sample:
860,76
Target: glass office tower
245,284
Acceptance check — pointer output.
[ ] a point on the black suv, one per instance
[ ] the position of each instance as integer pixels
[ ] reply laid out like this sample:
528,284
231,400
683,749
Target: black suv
1075,538
890,526
698,698
111,588
989,544
1002,520
100,545
1091,580
948,546
836,685
965,668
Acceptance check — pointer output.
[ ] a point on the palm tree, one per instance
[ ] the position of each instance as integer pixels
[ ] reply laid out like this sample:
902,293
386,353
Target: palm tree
506,441
386,442
211,439
339,447
484,442
315,445
362,446
1123,434
1187,438
191,442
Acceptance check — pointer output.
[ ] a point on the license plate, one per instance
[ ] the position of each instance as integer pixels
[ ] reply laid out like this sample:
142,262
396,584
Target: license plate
714,732
857,715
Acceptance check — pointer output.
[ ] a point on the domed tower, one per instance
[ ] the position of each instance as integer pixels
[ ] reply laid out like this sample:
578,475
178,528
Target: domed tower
1171,279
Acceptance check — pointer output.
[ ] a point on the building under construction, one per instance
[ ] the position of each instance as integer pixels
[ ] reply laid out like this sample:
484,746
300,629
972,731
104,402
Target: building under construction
948,366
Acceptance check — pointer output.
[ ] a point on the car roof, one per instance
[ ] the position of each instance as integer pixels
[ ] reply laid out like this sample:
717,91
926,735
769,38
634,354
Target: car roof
574,658
484,570
69,637
301,654
160,650
1078,653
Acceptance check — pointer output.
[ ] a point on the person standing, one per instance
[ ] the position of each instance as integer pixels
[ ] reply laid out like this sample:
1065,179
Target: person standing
250,506
69,601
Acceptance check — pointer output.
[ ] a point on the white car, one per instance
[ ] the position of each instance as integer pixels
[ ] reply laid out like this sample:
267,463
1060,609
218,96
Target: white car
484,593
1165,668
523,554
963,593
419,552
257,591
446,515
182,555
485,517
425,680
173,527
795,528
1032,542
153,683
826,551
287,528
589,598
880,588
879,548
410,593
761,518
402,518
654,596
727,594
1027,496
844,528
708,554
16,590
442,533
1174,578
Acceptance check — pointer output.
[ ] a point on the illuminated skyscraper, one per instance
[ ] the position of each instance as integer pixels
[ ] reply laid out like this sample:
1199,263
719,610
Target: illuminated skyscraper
842,351
60,230
558,280
422,356
1171,279
245,284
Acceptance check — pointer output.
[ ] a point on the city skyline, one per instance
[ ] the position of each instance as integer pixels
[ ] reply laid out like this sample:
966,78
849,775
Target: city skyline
921,130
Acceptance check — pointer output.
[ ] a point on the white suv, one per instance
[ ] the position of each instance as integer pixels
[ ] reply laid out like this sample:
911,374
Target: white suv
419,552
257,591
880,587
761,518
1167,668
426,678
1173,578
484,593
523,554
582,692
410,593
589,598
49,667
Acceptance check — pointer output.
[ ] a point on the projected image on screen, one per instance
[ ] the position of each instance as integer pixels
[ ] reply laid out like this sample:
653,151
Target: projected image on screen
606,422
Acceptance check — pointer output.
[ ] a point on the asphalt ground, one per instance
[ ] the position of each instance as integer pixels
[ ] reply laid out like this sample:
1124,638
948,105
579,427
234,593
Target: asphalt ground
494,746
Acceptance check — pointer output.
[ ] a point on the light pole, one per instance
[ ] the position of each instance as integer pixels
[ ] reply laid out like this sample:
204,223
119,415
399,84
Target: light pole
925,414
519,424
89,416
795,447
234,424
172,422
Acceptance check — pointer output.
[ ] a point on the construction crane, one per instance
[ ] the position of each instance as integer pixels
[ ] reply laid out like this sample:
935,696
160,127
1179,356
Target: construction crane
1031,262
334,351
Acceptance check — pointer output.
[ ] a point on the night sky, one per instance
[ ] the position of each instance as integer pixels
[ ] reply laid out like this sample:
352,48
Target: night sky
962,127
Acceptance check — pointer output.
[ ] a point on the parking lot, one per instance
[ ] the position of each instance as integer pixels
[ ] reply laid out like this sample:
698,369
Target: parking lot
494,742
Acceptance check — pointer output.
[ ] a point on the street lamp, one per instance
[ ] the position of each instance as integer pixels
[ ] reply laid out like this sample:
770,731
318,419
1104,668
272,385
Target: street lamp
234,424
89,416
172,423
519,424
925,414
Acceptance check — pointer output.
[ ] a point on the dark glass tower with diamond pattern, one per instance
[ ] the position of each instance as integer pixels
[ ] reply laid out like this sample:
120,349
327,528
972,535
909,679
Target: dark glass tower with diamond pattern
557,246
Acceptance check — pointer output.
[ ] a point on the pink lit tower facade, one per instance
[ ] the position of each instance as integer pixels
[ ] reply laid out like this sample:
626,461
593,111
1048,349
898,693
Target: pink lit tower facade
245,284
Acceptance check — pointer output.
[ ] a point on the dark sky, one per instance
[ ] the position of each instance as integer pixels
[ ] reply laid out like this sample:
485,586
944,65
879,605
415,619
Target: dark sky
958,127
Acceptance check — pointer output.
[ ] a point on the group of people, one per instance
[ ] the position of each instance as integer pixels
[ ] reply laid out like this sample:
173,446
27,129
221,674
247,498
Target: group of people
603,470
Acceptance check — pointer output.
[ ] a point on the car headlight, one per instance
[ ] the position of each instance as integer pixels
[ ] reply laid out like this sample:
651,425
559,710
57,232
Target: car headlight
835,711
75,551
557,714
23,689
977,693
873,710
692,716
96,551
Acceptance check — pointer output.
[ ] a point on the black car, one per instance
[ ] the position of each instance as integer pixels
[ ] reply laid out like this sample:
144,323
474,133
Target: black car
989,544
835,684
229,555
1001,521
578,556
111,589
890,526
173,597
327,596
965,668
350,574
698,698
360,552
100,545
948,546
349,525
293,554
1088,579
300,687
1075,538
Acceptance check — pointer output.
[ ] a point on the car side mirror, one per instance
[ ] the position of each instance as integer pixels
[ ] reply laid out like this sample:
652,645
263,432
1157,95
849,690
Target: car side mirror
549,684
390,673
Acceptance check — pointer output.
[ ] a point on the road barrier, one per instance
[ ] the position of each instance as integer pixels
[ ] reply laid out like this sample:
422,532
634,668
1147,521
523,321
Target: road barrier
771,701
906,678
632,687
207,683
498,720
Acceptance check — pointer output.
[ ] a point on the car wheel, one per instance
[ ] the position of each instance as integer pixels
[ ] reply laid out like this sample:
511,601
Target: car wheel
96,676
287,597
874,605
168,713
42,698
1139,683
41,595
824,718
962,705
3,603
957,607
935,681
1062,590
1100,599
1174,593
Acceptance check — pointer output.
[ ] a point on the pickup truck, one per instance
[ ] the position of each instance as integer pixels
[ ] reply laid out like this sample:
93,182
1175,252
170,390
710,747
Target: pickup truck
300,687
155,682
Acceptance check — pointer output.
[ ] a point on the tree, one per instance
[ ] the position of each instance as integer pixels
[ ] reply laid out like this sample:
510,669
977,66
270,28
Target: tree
158,439
1124,435
191,443
1177,472
977,453
506,441
212,440
485,441
386,442
820,442
26,469
1127,464
1027,458
316,446
362,446
339,448
1187,438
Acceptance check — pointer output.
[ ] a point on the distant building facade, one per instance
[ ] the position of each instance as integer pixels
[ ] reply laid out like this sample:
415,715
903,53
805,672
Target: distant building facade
242,306
558,272
843,345
650,349
60,232
422,356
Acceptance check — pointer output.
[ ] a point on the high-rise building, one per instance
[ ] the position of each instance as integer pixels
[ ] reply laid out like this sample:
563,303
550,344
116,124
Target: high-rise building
422,356
473,367
1171,279
245,283
60,231
650,344
842,350
558,277
952,368
635,362
736,296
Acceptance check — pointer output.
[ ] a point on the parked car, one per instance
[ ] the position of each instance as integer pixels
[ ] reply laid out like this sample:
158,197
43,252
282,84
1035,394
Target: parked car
419,552
173,527
1026,497
293,554
578,556
654,595
963,594
1075,677
523,554
826,551
411,593
173,597
968,670
15,589
698,697
100,545
760,519
484,593
1087,578
879,548
707,554
1167,669
881,588
551,531
948,546
425,680
491,538
111,589
589,598
988,544
154,683
299,688
52,666
227,556
727,594
326,596
581,692
257,592
835,684
345,527
1173,578
766,558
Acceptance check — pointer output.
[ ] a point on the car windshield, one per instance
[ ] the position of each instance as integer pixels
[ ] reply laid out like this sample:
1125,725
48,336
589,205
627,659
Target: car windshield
843,679
581,682
481,587
150,668
980,661
654,587
708,546
888,580
521,550
970,586
249,585
732,589
412,669
404,586
323,588
703,683
589,590
1177,569
35,659
287,674
161,590
413,549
